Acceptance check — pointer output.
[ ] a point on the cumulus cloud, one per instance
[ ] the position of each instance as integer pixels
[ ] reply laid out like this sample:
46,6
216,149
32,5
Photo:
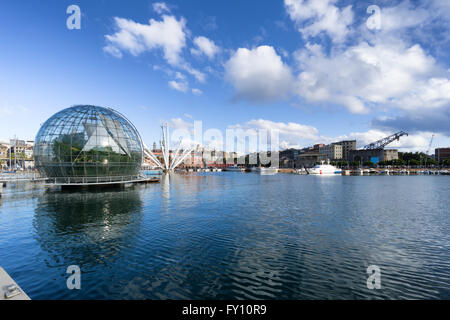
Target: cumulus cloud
316,16
136,38
403,15
290,134
363,75
258,74
205,46
296,135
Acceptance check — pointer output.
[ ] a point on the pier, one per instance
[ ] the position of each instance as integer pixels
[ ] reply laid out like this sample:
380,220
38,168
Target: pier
10,290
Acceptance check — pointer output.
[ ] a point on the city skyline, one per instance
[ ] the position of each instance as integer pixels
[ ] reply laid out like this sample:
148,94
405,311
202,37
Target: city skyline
317,73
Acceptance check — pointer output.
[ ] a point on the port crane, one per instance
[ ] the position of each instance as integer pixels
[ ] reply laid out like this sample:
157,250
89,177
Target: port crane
428,150
380,144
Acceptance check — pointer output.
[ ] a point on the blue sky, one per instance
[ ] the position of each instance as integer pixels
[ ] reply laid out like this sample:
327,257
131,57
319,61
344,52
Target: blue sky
315,70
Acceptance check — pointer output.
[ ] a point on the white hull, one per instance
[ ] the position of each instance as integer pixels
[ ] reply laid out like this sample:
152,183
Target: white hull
234,169
325,170
266,171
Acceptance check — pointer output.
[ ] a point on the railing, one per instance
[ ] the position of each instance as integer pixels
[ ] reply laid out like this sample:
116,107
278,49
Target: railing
94,180
20,176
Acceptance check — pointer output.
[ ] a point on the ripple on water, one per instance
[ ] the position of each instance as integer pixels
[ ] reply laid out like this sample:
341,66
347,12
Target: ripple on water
233,236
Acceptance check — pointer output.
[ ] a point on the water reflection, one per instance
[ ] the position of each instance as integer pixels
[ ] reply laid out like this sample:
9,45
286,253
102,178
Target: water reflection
86,227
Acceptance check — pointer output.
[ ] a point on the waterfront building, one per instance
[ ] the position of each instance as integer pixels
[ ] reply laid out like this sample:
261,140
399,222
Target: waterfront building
347,146
373,155
441,154
4,152
88,143
288,158
317,147
331,151
309,159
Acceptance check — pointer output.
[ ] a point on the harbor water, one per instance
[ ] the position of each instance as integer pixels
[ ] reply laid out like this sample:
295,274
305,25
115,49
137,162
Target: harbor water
232,235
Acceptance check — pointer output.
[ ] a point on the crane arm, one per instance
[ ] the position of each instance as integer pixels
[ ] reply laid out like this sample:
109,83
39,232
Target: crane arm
380,144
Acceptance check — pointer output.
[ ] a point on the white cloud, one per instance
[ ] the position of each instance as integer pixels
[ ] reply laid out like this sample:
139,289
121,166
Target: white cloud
258,74
197,92
413,142
161,7
179,123
403,15
181,86
385,73
200,76
205,46
136,38
296,135
180,76
290,134
6,111
112,50
316,16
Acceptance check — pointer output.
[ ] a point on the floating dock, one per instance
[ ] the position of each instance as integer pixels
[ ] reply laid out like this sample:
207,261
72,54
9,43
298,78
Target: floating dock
9,289
98,182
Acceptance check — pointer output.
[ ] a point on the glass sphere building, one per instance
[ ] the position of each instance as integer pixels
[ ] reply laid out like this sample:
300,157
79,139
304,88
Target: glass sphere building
88,142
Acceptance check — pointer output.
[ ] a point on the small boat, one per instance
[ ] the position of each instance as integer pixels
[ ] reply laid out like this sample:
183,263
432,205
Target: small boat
385,172
301,171
325,170
266,171
234,169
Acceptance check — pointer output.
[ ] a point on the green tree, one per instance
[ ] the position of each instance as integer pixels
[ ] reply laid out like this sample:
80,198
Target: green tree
398,162
369,164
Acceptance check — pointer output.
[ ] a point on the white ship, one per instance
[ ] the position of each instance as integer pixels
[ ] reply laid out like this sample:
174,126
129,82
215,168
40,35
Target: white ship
325,170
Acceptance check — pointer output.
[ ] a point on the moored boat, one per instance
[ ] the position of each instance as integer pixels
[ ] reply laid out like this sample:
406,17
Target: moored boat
266,171
234,169
325,170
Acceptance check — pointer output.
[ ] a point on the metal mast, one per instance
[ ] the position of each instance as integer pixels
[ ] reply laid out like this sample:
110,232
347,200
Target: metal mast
428,150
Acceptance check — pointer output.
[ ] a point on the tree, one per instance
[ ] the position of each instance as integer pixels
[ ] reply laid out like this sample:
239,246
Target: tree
398,162
369,164
446,163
